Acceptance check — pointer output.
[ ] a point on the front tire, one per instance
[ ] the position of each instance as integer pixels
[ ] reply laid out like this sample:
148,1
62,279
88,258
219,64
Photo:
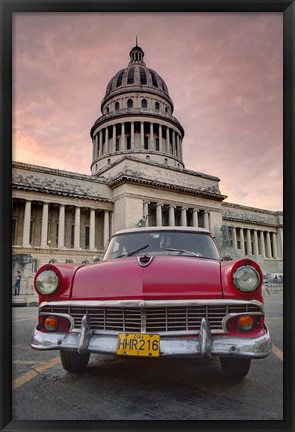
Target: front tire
74,362
235,367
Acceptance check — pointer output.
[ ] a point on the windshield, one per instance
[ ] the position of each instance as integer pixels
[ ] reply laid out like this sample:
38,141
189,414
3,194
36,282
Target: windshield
182,243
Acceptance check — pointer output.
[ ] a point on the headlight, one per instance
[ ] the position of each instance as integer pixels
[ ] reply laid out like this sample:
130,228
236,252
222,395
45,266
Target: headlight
246,278
47,282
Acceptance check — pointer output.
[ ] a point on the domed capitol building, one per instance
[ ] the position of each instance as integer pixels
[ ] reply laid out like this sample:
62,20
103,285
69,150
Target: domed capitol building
138,178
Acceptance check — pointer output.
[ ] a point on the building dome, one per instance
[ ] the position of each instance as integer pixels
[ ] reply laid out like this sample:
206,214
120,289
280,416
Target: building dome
136,74
136,119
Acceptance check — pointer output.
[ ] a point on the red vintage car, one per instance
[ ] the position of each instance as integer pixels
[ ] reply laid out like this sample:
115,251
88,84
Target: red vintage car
157,292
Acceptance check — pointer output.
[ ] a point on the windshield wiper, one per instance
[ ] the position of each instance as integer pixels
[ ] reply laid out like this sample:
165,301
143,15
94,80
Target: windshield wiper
186,251
133,252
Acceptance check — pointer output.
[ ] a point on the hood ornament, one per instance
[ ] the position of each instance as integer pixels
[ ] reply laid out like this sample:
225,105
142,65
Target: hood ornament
144,260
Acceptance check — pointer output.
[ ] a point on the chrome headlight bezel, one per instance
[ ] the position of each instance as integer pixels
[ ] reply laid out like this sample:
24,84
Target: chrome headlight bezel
246,278
47,282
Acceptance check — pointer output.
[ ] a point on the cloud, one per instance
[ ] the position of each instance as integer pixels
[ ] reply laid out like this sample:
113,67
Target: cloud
223,72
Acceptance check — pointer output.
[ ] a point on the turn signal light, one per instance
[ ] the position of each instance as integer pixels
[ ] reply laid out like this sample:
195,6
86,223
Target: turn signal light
51,323
245,322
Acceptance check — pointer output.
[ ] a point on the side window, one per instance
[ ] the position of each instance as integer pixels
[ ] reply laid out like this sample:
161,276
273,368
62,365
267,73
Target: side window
119,79
130,79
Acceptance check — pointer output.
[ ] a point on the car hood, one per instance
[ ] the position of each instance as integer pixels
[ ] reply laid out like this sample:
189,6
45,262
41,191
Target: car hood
163,278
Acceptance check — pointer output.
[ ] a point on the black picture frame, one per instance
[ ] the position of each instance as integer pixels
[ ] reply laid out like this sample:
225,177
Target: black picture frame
8,8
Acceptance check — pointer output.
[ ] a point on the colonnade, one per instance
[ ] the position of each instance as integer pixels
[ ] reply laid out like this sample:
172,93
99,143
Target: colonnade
184,211
267,243
258,242
26,230
151,136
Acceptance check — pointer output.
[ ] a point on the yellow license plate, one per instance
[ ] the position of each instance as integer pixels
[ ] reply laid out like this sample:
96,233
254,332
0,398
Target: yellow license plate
138,344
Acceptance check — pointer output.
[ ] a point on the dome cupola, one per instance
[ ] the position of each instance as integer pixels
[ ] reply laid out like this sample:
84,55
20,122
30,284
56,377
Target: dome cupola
136,118
136,55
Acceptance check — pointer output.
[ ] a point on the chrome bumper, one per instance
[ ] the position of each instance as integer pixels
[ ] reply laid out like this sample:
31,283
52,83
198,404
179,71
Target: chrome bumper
203,345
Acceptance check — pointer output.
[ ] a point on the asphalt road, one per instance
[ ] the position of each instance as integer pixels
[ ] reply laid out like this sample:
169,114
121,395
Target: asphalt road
144,389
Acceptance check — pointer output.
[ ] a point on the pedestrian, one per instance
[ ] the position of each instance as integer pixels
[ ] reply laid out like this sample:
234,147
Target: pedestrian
265,285
18,277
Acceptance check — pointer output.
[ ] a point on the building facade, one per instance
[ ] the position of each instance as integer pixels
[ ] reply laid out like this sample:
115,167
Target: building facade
138,177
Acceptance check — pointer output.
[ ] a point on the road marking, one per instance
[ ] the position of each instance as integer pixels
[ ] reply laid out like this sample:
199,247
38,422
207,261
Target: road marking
274,318
277,352
17,382
24,319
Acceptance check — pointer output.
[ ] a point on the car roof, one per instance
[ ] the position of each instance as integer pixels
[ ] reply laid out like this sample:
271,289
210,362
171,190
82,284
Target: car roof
163,228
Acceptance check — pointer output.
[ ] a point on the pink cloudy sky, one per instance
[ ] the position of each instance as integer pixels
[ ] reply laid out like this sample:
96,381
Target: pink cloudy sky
223,72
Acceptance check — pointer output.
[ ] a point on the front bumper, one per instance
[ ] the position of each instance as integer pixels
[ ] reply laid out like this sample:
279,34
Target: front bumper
202,345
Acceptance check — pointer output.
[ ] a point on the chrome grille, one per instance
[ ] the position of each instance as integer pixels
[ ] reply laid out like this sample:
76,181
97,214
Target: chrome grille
151,319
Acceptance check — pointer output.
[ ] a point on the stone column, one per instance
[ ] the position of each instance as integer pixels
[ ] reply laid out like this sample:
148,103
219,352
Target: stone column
111,224
141,135
77,228
92,230
249,245
172,215
106,150
100,143
96,146
262,244
159,215
280,243
145,209
176,145
255,238
195,218
173,142
132,135
106,227
61,227
183,221
152,136
206,220
160,138
167,140
242,241
274,246
268,246
235,243
123,140
27,225
180,149
114,138
44,226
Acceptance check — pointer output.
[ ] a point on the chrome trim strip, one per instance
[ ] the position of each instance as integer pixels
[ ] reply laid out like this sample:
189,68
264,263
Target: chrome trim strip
143,315
152,303
161,333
